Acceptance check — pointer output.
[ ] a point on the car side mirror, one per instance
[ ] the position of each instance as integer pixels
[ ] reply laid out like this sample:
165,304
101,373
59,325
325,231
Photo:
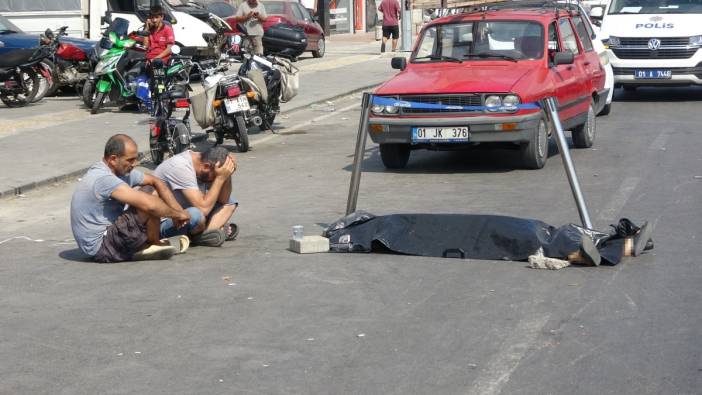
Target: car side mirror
399,63
106,19
563,58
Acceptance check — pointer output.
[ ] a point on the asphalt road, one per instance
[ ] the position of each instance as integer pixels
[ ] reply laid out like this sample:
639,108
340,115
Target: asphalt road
252,317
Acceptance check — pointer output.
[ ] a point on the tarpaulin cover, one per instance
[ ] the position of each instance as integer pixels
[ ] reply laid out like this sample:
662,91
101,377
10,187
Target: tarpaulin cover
469,236
39,5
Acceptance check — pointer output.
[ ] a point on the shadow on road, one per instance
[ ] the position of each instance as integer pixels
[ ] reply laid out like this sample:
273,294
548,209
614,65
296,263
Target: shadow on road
75,255
659,94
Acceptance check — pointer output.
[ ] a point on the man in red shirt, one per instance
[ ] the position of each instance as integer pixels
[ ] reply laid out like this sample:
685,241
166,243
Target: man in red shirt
391,21
161,38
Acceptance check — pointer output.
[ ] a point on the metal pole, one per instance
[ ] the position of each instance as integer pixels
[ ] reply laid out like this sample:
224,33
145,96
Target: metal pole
358,156
406,23
555,121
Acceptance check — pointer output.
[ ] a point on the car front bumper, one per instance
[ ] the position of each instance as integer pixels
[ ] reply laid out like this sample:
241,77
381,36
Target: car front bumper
518,128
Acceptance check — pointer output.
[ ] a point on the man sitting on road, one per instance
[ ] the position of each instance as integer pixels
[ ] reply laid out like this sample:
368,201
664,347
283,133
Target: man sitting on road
201,182
252,14
161,37
102,227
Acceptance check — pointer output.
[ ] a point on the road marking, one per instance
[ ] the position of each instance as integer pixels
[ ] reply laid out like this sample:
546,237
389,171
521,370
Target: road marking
660,141
511,354
336,63
304,124
616,204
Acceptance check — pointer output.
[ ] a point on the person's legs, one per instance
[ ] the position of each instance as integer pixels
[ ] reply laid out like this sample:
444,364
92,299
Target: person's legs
386,36
221,214
258,45
196,225
124,238
395,35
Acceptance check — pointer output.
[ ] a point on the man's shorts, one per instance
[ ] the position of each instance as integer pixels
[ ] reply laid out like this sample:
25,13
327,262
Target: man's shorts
123,239
393,31
168,229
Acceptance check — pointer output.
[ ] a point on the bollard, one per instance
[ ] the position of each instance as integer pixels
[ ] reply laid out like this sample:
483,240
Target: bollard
549,105
358,156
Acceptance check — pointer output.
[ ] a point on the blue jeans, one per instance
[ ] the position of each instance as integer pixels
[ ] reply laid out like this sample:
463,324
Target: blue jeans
168,228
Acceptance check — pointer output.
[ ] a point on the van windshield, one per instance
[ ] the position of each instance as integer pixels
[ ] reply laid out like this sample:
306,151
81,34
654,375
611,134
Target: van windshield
656,7
468,41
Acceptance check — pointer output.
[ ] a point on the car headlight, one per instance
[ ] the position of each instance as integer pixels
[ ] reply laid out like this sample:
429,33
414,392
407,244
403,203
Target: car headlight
696,41
604,58
377,109
493,102
510,102
392,109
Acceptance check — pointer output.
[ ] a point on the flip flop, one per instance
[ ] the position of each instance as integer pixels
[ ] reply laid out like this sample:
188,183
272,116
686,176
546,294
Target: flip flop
181,243
231,231
210,238
154,252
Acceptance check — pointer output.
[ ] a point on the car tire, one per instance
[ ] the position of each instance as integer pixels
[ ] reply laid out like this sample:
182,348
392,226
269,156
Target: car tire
321,48
606,109
395,156
535,152
584,135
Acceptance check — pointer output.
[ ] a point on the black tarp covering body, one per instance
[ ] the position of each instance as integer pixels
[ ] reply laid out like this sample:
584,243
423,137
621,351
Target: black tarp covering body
471,236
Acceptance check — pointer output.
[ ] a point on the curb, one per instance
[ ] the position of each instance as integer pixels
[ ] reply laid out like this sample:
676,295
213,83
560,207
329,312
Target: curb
19,190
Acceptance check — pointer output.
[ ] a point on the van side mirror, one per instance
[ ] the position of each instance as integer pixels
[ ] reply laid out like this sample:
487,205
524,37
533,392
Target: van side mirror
399,63
597,12
563,58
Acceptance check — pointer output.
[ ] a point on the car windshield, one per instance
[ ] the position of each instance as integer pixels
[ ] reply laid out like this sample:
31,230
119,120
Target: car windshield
656,7
503,40
7,26
274,7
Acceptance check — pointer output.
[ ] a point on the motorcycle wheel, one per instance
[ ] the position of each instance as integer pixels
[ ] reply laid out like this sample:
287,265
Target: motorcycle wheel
89,93
31,81
54,87
99,98
45,85
179,146
242,135
156,155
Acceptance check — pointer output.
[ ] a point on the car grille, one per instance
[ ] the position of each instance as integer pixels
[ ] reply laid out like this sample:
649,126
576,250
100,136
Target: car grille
697,71
448,100
637,48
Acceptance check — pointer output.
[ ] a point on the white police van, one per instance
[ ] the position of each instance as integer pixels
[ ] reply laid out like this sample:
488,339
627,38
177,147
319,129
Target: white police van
653,42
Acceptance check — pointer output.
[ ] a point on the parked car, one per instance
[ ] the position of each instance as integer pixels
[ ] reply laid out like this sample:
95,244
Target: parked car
479,78
291,12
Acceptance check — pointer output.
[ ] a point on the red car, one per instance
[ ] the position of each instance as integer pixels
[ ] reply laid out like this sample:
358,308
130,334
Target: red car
291,12
478,78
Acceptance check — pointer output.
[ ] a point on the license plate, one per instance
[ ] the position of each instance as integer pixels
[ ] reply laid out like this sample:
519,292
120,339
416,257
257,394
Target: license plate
239,104
450,134
653,74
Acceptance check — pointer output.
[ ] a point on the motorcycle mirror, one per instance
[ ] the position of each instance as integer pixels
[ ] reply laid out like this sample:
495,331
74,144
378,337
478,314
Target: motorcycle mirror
175,49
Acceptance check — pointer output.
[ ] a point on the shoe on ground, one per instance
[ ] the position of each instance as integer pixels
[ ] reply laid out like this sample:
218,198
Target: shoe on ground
642,239
155,252
589,253
181,243
210,238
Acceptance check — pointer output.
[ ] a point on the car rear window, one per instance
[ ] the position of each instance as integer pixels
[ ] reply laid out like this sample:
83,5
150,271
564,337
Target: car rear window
274,7
515,40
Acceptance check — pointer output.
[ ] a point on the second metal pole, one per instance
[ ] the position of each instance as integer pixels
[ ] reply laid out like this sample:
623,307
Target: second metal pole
358,156
555,121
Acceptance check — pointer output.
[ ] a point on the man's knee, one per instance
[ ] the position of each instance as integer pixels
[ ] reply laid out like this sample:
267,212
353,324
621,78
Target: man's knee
196,217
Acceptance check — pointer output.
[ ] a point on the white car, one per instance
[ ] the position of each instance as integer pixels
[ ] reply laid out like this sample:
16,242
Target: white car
653,42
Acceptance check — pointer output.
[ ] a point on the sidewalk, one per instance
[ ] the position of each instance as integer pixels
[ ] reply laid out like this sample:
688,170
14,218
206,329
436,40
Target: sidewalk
57,139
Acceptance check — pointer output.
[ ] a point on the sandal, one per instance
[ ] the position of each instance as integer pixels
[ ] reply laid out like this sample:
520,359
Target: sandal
210,238
231,231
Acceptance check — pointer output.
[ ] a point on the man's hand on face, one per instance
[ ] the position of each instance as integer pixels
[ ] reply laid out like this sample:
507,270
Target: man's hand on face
226,169
182,219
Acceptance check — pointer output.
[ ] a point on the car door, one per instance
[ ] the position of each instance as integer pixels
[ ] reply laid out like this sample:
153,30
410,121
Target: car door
305,21
571,83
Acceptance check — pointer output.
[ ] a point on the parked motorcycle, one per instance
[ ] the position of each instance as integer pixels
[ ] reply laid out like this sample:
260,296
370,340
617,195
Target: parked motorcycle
71,61
119,75
168,132
19,81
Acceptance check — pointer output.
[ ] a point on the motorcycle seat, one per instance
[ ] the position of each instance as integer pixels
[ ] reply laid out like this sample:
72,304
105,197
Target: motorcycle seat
178,92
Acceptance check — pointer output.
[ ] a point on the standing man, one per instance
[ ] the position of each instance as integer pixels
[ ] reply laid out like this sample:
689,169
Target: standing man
161,37
201,182
391,22
252,14
102,227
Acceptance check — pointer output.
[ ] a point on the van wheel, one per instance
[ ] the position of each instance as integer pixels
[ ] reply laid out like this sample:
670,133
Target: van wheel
606,109
535,152
395,156
584,135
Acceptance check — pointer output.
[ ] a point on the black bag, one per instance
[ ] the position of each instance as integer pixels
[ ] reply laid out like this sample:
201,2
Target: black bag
285,40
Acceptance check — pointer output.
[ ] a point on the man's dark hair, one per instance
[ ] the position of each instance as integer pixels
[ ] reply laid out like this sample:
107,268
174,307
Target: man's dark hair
156,10
215,154
115,145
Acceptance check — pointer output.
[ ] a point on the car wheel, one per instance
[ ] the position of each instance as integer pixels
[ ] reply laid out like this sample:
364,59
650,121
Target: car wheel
584,135
606,109
535,152
395,156
321,47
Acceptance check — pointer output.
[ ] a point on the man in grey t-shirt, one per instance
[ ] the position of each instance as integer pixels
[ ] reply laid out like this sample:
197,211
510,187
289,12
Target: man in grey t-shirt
252,14
102,227
201,182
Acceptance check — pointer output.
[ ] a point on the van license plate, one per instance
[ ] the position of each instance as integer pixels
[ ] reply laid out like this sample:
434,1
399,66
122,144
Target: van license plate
653,74
449,134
